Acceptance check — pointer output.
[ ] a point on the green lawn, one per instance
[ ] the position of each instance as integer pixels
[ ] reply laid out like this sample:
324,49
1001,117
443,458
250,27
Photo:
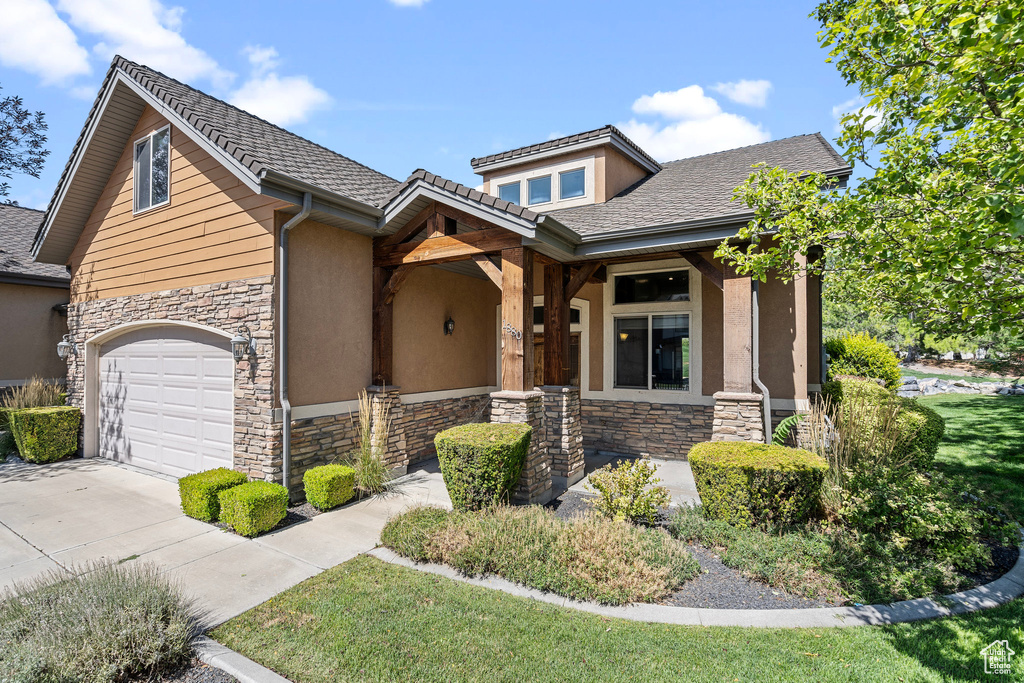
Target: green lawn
369,621
905,372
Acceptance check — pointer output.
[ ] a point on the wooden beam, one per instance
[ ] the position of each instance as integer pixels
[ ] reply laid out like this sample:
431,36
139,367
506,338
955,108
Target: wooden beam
461,216
450,248
576,283
639,258
382,329
409,230
705,268
600,276
556,325
490,270
544,260
395,283
517,319
435,225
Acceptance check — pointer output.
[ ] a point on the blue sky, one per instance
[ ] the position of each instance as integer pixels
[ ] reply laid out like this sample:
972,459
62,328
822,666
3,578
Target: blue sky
406,84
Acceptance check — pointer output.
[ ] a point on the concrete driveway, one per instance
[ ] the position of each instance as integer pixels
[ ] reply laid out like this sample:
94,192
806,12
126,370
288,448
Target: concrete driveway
62,516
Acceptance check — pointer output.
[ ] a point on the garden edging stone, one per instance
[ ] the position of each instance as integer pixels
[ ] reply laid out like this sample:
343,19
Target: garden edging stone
998,592
232,663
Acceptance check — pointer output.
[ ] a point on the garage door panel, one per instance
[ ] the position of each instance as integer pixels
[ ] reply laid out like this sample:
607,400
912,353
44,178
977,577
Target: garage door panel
166,400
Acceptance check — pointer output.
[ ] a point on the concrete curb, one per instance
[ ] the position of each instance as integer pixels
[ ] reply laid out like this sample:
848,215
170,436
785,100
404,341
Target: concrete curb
230,662
999,592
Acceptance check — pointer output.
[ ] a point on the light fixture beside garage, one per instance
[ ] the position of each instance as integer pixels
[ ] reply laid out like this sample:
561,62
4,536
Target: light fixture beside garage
242,344
65,347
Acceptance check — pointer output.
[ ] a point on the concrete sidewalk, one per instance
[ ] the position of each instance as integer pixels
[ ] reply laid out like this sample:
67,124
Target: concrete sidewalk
675,475
62,516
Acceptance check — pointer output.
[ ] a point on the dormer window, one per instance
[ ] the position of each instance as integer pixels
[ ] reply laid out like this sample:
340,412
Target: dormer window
572,184
153,170
539,189
510,192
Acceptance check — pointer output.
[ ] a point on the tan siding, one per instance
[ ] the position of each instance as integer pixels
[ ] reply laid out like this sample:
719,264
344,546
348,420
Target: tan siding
214,229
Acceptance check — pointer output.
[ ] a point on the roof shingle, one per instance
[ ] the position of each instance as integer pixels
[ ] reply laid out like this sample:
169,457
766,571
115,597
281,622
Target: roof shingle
18,225
562,142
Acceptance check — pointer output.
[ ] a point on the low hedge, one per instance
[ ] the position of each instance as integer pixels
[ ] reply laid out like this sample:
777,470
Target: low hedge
329,486
862,355
746,483
7,444
199,492
253,508
481,463
45,434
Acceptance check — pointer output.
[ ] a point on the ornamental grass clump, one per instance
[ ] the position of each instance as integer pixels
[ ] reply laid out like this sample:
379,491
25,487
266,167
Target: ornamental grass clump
629,492
112,622
588,558
481,463
368,460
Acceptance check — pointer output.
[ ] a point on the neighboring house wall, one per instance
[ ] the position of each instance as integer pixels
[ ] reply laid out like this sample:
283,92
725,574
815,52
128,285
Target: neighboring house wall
214,229
329,323
31,330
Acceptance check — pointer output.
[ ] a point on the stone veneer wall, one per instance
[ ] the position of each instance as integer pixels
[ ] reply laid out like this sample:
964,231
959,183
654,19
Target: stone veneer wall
738,417
224,306
527,407
661,430
320,441
564,433
425,419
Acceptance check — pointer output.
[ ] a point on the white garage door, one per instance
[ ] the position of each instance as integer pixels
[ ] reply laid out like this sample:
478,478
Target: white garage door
166,400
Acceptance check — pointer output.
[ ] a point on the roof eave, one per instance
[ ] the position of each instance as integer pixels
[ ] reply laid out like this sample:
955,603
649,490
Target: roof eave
282,186
609,138
662,236
35,280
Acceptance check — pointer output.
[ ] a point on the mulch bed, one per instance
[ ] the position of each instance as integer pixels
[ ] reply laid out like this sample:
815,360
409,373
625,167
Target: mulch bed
194,672
296,515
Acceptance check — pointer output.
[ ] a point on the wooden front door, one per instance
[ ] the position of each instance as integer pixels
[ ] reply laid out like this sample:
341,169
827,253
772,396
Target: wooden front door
574,357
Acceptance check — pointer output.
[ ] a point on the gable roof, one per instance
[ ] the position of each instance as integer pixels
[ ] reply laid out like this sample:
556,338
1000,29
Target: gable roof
17,227
460,190
590,138
699,187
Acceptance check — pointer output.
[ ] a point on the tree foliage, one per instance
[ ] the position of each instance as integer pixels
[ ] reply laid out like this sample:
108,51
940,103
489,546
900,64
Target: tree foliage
935,229
22,136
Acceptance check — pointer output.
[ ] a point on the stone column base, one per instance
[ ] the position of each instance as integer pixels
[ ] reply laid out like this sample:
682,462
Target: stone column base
396,457
564,424
527,407
738,417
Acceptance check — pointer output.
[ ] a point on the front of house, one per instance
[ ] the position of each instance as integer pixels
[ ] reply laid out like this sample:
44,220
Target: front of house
577,292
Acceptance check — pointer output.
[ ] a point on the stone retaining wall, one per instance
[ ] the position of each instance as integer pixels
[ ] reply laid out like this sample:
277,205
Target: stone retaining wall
738,417
660,430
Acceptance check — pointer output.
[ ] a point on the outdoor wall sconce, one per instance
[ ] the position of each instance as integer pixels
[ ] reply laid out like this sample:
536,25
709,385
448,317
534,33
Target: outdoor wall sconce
65,347
242,344
449,326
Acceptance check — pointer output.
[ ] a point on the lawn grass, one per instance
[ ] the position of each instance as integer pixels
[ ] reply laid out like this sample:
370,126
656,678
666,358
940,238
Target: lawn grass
366,620
906,372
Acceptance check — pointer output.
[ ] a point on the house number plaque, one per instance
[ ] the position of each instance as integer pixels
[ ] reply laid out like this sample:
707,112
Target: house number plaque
512,331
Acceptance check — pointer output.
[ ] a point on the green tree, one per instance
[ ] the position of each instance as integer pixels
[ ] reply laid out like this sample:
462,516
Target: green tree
22,140
935,228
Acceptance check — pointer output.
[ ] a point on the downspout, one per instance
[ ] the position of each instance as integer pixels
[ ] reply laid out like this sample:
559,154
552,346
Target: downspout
282,341
755,351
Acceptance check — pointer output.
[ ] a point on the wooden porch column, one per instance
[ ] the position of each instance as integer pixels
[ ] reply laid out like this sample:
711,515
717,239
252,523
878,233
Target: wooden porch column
736,333
382,325
556,326
517,319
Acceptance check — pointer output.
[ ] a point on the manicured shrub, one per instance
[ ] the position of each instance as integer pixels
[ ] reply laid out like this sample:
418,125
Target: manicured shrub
481,463
746,483
588,558
253,508
850,386
45,434
920,431
329,486
199,492
629,492
115,622
7,444
864,356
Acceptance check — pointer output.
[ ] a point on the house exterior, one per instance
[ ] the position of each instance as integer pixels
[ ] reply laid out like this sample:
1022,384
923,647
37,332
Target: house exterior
577,292
33,303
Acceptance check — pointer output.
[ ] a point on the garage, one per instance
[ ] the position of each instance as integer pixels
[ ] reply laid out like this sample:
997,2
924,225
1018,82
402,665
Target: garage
165,399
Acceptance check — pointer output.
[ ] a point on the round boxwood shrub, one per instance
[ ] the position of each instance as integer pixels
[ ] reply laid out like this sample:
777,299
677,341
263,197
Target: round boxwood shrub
863,356
255,507
329,486
45,434
747,483
199,492
481,463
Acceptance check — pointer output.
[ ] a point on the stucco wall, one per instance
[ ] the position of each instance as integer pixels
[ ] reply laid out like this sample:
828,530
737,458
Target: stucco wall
31,330
814,340
784,337
425,359
619,173
329,298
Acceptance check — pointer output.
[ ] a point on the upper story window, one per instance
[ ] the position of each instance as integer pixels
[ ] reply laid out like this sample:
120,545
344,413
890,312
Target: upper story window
539,189
153,169
640,288
510,192
572,184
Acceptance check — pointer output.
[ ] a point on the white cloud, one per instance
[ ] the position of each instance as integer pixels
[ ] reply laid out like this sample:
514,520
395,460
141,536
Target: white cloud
856,104
281,100
697,125
750,93
144,31
409,3
686,103
34,39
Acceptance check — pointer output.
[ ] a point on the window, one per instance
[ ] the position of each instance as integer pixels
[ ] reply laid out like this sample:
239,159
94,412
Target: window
642,288
538,315
539,189
653,352
509,192
572,184
152,170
